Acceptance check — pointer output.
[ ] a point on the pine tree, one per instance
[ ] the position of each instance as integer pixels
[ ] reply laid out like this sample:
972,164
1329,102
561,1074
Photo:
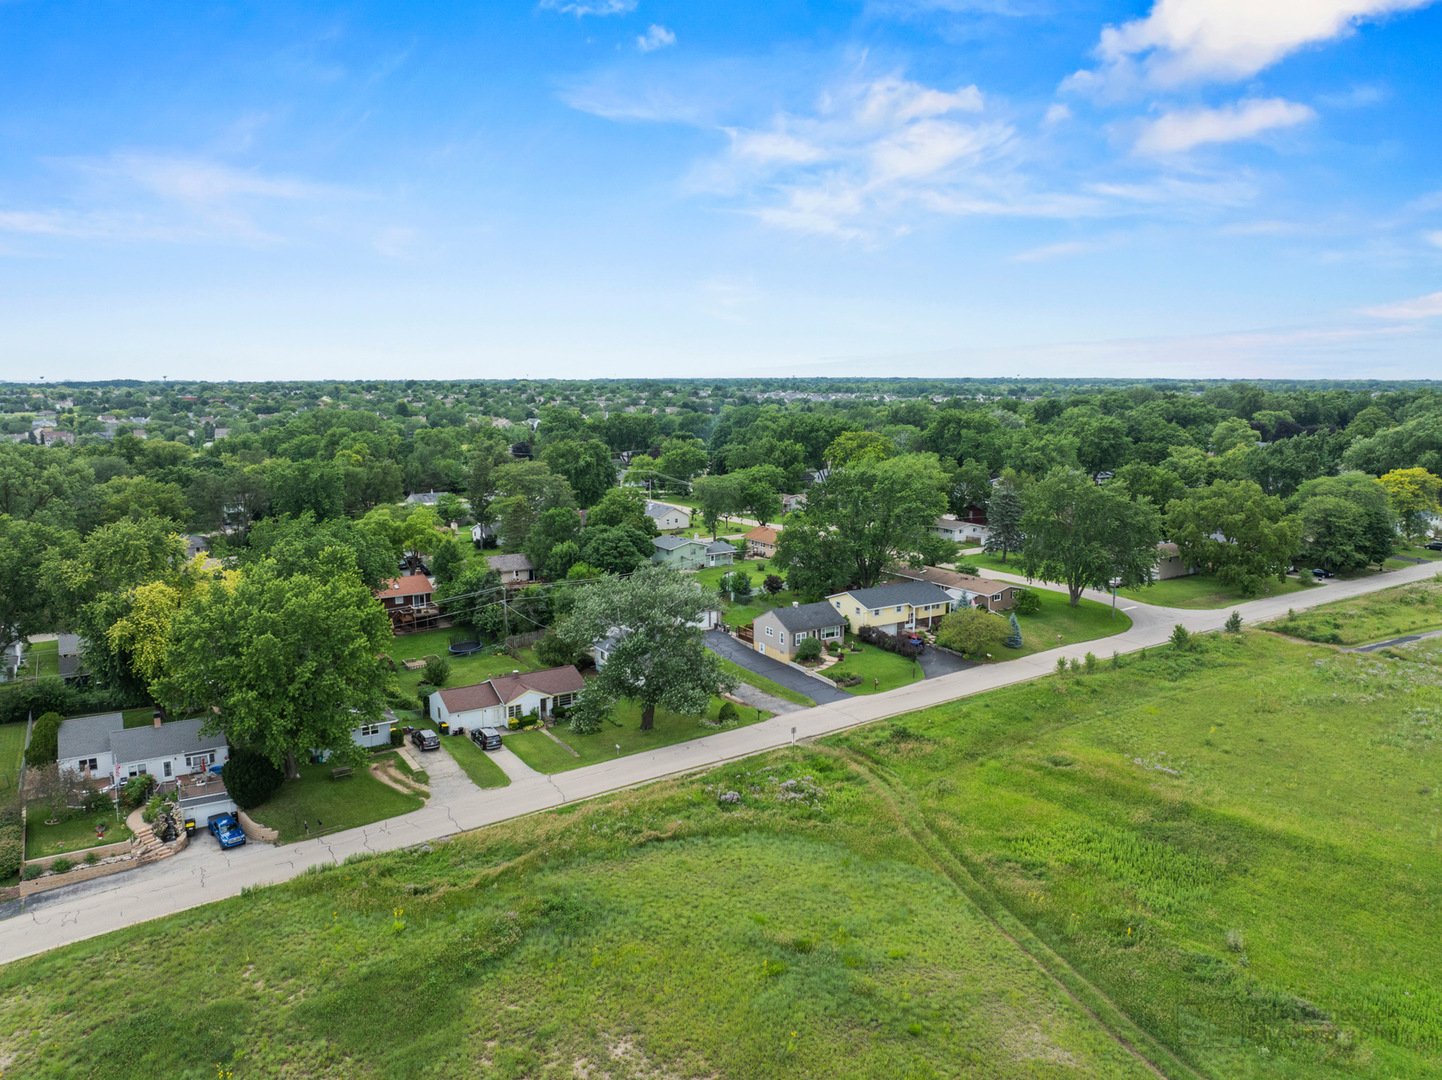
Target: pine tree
1003,518
1014,640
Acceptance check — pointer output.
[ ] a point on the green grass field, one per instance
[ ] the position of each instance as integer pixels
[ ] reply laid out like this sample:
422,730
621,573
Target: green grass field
483,772
330,805
1088,621
12,749
541,753
74,833
1225,858
764,684
1407,609
876,665
464,670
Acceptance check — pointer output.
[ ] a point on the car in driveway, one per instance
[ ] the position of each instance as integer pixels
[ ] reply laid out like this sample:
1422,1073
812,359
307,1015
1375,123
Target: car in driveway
1434,545
1319,572
487,738
225,829
426,740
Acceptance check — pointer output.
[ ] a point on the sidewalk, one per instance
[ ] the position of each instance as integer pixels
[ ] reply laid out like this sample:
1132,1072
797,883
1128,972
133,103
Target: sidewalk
186,881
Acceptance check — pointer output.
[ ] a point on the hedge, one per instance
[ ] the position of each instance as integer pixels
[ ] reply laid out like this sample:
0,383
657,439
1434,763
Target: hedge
882,640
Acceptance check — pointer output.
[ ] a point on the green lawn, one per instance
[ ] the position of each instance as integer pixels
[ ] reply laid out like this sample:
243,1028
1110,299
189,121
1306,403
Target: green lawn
875,665
483,772
762,683
74,833
1419,553
1407,609
464,670
1194,591
44,658
1088,621
331,805
542,754
12,749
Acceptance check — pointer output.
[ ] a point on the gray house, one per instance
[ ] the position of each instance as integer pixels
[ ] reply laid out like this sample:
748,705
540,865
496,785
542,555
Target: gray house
102,746
686,554
778,632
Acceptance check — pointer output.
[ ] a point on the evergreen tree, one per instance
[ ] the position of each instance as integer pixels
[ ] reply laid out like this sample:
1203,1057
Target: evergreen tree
1013,640
1003,517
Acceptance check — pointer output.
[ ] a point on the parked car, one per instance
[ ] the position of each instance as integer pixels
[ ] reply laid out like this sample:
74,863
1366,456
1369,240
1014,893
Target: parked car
426,740
916,640
224,828
1434,545
487,738
1320,572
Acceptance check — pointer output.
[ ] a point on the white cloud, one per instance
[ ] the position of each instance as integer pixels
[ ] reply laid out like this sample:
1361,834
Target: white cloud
1434,238
1183,41
1175,132
197,182
1422,307
1057,114
590,7
1056,251
655,37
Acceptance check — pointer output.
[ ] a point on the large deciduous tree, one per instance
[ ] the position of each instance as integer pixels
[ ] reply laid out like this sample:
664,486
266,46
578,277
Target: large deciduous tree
861,519
1347,521
527,490
717,497
1085,536
282,664
1413,493
1237,531
661,660
26,589
586,465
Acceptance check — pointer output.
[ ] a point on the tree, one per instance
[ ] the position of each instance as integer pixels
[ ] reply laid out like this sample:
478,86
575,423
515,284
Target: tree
972,630
1232,434
527,489
250,778
1237,531
1013,639
616,549
621,506
481,480
661,660
283,664
861,519
757,491
1413,493
448,560
716,497
295,543
27,592
774,583
473,598
560,559
559,525
1414,444
300,486
1004,512
586,465
1084,536
736,583
852,446
681,459
1347,521
437,671
970,486
1028,602
44,740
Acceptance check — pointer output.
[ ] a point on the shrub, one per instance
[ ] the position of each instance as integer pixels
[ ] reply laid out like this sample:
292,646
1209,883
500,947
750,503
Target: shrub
136,791
970,569
1076,664
12,850
252,778
1014,639
1028,602
737,584
44,740
774,583
809,649
61,865
872,636
727,713
972,630
98,802
1181,638
437,671
398,737
1061,665
554,651
834,647
1090,663
1234,623
588,713
91,858
152,809
33,871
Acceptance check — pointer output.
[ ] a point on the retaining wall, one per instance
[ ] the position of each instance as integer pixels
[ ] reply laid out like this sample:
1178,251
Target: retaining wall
254,830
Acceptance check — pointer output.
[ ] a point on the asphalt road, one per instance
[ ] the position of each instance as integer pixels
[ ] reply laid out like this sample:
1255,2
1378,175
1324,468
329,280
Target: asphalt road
725,645
204,873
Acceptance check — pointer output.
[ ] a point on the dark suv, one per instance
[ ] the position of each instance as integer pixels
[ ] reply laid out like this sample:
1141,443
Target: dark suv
1435,545
426,740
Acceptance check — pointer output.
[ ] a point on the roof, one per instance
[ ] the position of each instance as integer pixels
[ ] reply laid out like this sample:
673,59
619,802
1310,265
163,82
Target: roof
950,579
718,547
178,737
69,644
762,534
806,616
660,509
915,593
1166,547
426,498
410,585
509,562
504,689
87,736
671,543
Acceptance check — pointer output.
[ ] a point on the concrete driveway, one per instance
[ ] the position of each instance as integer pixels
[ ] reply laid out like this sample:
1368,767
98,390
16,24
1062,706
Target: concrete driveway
726,646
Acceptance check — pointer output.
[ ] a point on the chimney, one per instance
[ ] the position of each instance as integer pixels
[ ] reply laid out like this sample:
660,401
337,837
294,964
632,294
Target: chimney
157,719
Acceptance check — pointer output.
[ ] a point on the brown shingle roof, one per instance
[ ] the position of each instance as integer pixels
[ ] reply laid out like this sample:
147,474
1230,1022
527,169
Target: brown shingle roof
504,689
465,698
410,585
762,535
950,579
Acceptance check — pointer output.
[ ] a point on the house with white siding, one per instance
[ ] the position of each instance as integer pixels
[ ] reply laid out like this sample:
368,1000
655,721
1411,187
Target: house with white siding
497,701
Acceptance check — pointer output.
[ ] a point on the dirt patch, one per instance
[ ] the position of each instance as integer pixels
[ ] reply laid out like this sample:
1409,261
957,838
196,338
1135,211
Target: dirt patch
391,777
1030,1044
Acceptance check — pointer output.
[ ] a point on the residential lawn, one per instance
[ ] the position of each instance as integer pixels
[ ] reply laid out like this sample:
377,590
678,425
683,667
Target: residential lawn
1407,609
484,772
464,670
12,749
329,805
1419,553
1226,857
74,833
542,754
394,757
1194,591
1088,621
761,682
874,664
43,658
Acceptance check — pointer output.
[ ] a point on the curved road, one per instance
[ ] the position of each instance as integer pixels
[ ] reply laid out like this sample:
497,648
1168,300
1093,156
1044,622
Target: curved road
203,873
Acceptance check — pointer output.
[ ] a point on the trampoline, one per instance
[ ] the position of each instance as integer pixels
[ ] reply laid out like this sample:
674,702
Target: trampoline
465,648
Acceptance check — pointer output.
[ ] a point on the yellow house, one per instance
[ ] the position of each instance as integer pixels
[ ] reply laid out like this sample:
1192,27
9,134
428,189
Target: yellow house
893,609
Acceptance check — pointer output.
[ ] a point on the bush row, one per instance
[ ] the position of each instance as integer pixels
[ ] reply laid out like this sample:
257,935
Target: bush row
872,636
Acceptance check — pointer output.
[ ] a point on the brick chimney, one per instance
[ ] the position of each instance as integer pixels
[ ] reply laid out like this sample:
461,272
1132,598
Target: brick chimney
157,719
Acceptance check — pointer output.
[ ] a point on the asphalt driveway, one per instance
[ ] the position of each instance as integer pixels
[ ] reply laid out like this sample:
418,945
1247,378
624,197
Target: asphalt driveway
726,646
934,662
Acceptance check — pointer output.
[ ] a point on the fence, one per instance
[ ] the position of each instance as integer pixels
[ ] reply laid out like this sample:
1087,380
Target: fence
520,641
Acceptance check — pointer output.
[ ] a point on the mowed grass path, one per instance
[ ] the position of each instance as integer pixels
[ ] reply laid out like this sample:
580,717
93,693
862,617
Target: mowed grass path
1195,591
1407,609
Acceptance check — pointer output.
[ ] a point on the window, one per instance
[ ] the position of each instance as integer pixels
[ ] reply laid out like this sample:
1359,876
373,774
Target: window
564,700
513,712
877,610
898,607
770,632
783,637
370,729
167,768
838,604
90,764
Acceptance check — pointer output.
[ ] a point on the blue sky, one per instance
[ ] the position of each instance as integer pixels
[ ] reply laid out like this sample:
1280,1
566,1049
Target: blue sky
1206,188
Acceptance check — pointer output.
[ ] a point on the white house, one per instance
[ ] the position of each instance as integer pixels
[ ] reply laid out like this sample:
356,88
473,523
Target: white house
494,702
515,570
668,517
960,530
103,746
373,735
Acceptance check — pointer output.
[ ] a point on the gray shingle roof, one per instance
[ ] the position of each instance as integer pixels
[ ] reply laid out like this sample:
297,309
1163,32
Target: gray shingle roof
719,547
807,617
87,736
671,543
915,593
179,737
509,562
69,644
